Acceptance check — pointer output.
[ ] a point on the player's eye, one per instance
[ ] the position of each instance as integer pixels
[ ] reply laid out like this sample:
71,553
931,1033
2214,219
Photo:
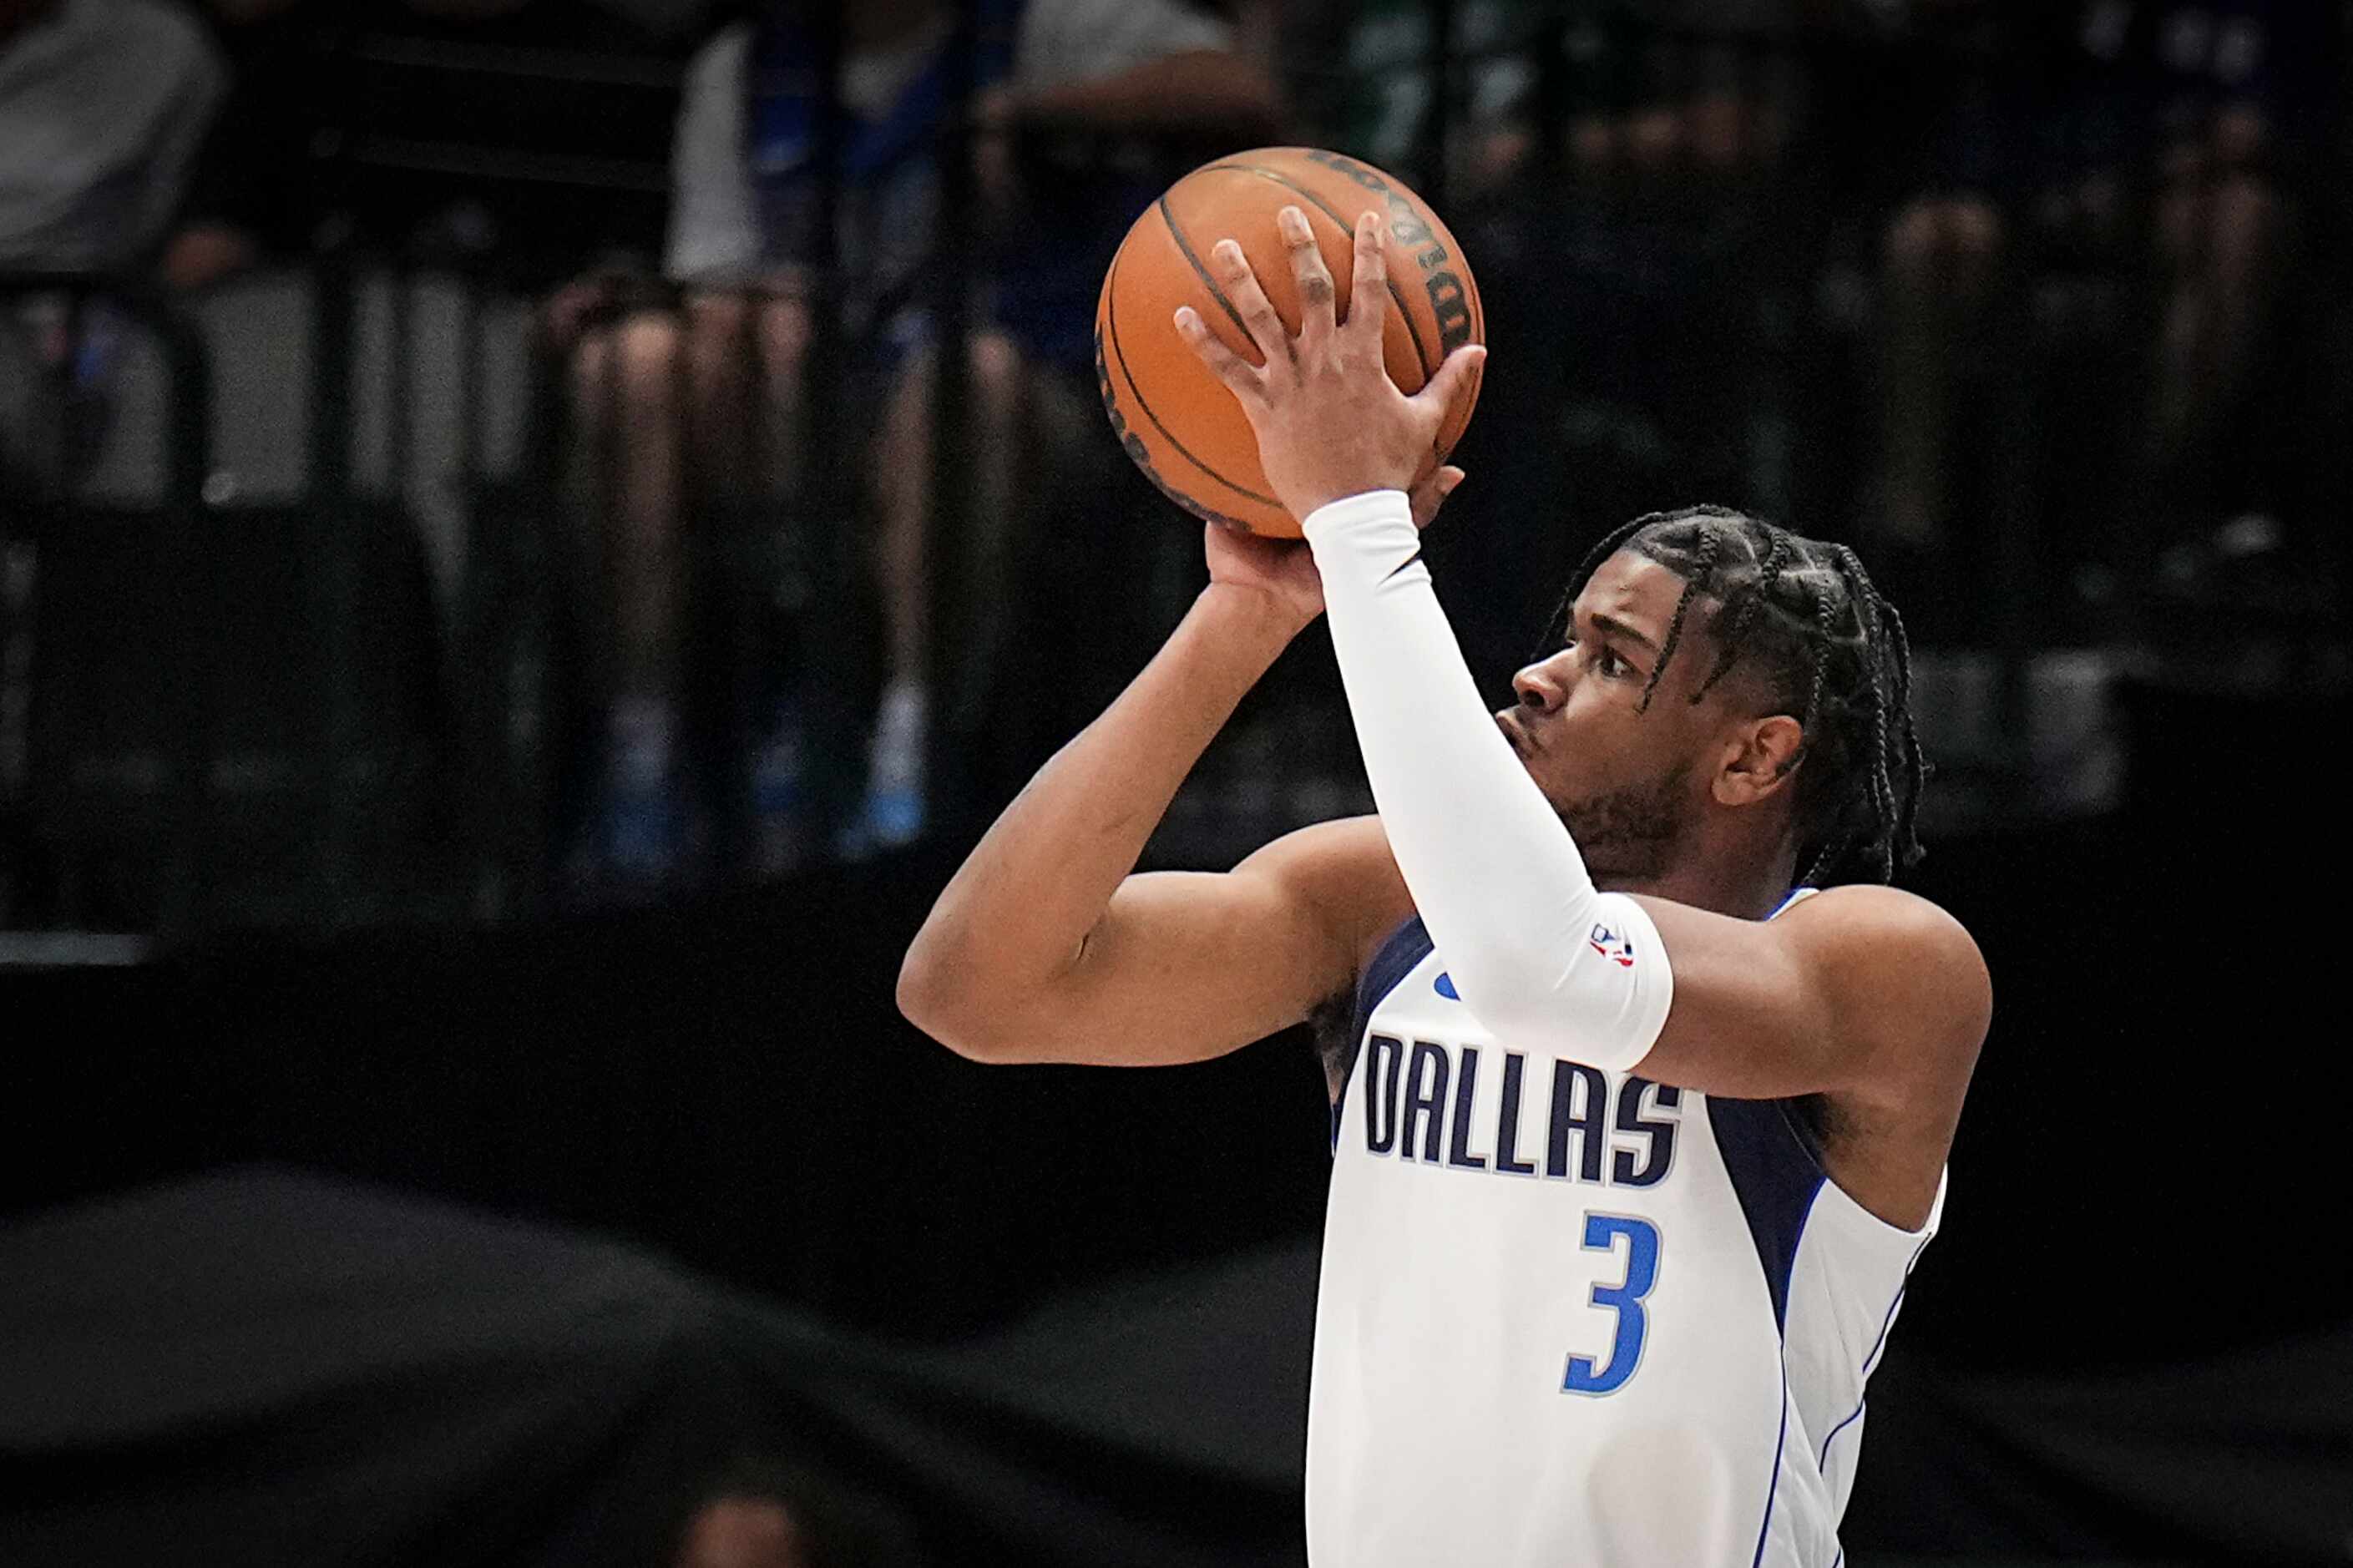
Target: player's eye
1605,659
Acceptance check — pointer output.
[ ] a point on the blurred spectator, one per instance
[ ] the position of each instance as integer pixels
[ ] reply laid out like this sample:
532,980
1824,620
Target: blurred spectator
2088,143
1616,90
240,204
655,16
1621,177
1702,87
102,106
742,238
419,127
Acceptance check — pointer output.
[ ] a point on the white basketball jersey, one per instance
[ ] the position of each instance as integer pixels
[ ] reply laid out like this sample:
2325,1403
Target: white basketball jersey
1574,1318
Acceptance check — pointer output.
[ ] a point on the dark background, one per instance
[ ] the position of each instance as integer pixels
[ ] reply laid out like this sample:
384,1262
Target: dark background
2128,1343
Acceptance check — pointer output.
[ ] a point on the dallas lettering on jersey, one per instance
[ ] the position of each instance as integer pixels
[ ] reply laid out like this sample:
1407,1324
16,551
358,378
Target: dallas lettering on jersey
1419,1106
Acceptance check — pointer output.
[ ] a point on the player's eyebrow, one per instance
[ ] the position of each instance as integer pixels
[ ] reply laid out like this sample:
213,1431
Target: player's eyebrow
1615,628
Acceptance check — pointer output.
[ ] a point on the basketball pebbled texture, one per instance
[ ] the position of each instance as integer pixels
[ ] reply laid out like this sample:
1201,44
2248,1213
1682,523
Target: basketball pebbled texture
1172,415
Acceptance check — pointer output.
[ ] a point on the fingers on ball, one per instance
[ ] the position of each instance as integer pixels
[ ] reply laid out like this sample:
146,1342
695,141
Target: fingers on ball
1241,376
1369,285
1314,280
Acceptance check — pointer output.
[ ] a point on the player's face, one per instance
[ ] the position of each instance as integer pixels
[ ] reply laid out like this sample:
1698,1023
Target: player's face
1622,778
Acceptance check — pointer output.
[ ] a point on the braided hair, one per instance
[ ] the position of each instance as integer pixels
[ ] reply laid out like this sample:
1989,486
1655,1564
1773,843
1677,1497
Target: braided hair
1829,650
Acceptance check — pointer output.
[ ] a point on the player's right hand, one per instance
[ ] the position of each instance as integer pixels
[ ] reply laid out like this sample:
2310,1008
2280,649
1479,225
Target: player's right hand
1282,569
1330,422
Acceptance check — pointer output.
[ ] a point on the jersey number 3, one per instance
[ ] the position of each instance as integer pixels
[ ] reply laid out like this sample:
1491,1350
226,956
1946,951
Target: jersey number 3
1625,1298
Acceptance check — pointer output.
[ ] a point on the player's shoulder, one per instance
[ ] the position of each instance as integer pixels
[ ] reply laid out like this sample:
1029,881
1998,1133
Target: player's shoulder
1879,907
1903,957
1871,921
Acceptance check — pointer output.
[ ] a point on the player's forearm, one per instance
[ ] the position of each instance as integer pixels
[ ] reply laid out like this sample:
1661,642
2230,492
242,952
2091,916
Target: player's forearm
1538,954
1013,916
1443,774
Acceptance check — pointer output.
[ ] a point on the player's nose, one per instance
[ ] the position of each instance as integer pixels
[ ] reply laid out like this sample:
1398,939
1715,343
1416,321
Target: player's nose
1537,689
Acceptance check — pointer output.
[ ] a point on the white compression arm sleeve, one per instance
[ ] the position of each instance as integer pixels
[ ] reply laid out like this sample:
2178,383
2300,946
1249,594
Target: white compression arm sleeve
1542,958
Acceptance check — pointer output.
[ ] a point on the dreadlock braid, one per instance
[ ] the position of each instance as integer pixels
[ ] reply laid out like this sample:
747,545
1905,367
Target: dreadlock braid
1751,606
1851,567
1710,547
1825,646
1821,674
1914,762
1607,546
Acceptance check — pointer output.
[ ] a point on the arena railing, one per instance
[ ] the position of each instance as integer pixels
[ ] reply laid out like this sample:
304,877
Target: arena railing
1784,294
34,509
239,691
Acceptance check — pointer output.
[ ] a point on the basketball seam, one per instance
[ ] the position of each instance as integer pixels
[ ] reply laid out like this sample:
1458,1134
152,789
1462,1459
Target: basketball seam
1186,246
1396,296
1143,407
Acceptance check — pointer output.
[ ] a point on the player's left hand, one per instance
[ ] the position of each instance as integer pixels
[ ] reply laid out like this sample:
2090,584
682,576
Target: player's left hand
1330,422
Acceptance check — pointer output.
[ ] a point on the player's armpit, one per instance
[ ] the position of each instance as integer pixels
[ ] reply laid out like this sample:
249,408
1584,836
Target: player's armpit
1185,966
1861,991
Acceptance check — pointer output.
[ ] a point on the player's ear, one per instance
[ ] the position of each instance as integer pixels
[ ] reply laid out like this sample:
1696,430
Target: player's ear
1757,759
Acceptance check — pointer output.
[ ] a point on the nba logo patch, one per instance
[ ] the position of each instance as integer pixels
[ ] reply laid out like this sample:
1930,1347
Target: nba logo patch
1612,946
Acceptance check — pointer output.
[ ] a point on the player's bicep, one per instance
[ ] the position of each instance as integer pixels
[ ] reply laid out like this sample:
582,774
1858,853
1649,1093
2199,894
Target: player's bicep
1186,965
1855,991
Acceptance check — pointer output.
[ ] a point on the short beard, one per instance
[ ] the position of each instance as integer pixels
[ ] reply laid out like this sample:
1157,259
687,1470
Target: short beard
1629,833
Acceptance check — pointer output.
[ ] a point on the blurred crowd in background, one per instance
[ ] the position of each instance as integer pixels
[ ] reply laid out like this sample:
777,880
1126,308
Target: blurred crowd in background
476,460
488,454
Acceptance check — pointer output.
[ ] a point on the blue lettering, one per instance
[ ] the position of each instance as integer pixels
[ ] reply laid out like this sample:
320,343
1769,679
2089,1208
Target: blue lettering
1588,1122
1625,1298
1507,1129
1466,1086
1421,1103
1425,1100
1386,1054
1660,1149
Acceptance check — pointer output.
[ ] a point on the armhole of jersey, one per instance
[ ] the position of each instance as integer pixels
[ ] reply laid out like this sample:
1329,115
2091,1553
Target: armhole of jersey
1801,1133
1777,1180
1399,951
1775,1171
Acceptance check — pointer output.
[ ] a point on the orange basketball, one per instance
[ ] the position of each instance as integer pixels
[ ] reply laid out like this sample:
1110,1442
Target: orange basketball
1175,419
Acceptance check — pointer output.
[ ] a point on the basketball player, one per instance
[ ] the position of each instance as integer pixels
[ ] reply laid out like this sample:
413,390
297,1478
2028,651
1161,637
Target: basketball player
1636,1135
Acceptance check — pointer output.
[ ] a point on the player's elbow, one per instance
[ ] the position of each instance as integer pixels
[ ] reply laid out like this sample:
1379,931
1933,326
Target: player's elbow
936,1000
928,998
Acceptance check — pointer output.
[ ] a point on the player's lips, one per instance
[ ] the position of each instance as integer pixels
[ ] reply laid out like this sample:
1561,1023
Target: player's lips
1509,723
